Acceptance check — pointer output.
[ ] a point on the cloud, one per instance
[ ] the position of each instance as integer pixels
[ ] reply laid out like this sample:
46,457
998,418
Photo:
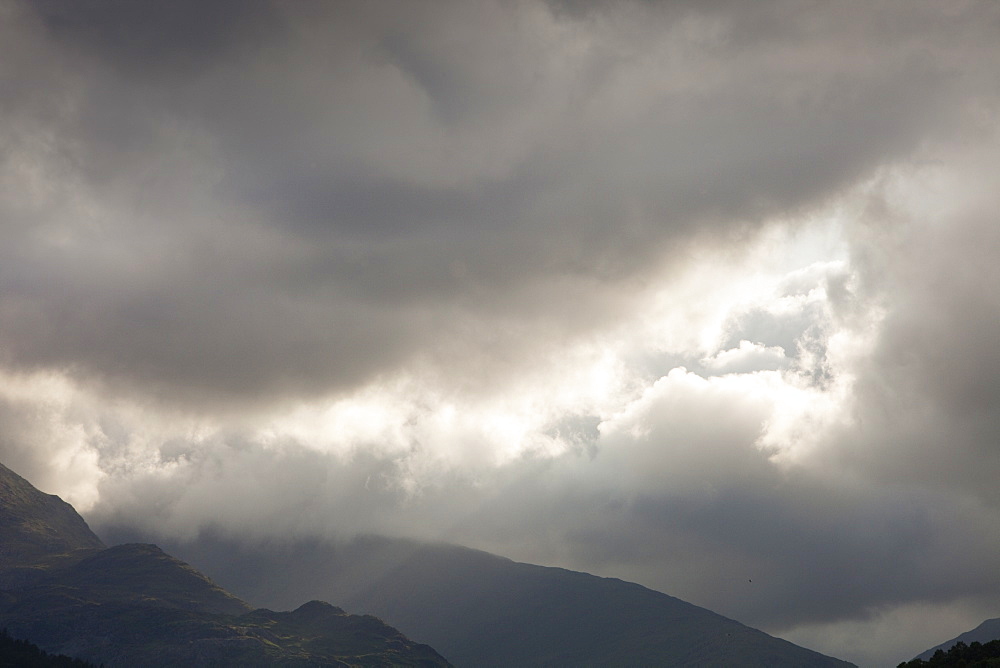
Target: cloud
50,436
895,632
322,194
671,292
746,358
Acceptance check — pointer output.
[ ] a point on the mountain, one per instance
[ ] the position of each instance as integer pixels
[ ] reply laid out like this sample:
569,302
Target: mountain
491,611
985,632
135,605
39,531
147,634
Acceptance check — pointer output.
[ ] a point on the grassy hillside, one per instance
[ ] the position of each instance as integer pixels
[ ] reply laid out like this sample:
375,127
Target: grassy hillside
39,531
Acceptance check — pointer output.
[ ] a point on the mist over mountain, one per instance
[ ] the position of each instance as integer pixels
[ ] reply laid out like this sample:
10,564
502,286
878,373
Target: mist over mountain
984,633
480,609
134,605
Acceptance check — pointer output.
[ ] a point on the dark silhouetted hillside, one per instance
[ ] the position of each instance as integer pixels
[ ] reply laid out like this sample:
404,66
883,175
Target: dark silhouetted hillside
960,655
479,609
134,605
984,633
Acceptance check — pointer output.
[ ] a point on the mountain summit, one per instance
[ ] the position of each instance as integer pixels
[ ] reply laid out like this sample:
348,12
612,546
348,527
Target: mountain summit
135,605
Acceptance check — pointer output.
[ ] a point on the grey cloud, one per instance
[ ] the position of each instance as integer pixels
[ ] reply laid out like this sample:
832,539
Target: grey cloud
528,165
238,207
817,550
928,402
140,37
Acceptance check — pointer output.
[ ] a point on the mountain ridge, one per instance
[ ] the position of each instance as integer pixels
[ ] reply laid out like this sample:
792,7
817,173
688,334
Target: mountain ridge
134,604
985,632
39,531
493,611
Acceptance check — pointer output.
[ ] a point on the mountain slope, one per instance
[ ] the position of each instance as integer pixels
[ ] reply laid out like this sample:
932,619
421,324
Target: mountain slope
134,605
491,611
141,634
135,574
38,530
985,632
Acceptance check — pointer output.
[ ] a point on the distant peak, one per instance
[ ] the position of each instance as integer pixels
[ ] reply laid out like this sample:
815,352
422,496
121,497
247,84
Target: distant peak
318,607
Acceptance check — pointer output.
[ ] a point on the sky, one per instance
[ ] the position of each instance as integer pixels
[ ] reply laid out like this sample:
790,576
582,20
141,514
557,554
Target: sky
685,293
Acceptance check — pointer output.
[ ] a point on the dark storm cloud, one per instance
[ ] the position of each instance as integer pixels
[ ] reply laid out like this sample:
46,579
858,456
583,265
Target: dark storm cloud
151,36
277,179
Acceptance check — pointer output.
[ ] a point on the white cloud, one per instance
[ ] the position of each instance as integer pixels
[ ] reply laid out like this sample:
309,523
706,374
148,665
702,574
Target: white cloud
746,358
